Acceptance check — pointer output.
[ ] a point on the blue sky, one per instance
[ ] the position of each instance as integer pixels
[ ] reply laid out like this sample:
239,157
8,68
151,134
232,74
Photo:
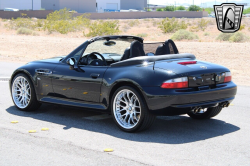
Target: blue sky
196,2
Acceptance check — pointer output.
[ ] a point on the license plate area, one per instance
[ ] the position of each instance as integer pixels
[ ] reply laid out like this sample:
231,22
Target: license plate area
201,80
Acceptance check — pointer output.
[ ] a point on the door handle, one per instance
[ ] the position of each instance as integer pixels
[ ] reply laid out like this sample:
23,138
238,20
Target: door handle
93,75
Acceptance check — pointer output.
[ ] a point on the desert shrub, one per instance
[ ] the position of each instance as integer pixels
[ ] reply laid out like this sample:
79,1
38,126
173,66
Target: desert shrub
242,27
206,34
35,34
169,25
202,24
194,8
62,21
142,35
194,29
24,31
180,8
224,36
169,8
39,23
100,28
183,34
159,9
133,23
21,22
238,37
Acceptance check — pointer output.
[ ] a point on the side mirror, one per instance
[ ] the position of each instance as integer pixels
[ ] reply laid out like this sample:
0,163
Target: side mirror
71,61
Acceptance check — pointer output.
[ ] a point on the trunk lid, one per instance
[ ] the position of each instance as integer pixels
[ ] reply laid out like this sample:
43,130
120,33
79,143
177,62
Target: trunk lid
199,74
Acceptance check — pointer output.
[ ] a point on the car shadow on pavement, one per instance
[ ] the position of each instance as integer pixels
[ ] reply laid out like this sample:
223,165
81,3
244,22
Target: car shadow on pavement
167,130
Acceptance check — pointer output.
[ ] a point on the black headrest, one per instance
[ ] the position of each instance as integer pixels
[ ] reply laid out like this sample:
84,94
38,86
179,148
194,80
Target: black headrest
168,47
160,50
136,49
126,54
172,47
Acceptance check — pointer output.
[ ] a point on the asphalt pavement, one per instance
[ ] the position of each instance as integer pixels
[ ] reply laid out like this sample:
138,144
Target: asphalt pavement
79,137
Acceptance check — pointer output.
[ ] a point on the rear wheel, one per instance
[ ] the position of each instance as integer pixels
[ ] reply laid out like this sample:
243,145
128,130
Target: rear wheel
205,113
23,93
130,111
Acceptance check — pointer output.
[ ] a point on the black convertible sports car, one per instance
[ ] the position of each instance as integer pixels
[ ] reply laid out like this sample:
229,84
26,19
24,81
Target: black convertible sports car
115,75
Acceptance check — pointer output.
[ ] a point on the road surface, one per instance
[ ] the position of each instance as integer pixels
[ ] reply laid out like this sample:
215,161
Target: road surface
79,137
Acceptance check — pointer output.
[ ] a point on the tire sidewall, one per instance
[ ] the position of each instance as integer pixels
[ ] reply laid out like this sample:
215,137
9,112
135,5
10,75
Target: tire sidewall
142,104
32,92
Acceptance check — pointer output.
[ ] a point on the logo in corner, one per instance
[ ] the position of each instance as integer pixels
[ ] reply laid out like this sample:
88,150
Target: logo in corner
228,17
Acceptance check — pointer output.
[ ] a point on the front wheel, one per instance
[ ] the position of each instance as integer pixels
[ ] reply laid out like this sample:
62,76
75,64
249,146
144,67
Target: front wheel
23,93
205,113
130,111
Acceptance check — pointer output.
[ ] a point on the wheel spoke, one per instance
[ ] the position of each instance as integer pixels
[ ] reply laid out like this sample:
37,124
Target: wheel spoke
21,92
126,108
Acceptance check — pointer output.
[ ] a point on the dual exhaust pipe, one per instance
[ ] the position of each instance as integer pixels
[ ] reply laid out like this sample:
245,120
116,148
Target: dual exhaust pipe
223,105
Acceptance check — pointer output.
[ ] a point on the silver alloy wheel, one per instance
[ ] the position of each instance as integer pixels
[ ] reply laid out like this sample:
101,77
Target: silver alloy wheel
126,109
21,92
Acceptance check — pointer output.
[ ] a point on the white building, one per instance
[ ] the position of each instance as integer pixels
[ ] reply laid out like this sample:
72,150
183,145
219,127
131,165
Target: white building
21,4
102,5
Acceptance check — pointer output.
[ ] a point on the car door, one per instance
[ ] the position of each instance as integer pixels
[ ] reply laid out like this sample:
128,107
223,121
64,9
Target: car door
82,84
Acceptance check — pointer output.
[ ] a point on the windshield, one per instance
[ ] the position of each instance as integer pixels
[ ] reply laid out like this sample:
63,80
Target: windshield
111,47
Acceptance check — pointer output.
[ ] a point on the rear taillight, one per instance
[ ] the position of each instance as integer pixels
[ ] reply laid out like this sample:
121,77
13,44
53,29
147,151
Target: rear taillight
175,83
228,77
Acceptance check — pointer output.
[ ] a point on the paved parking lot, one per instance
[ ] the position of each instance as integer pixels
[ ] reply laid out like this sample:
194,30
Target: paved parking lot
78,136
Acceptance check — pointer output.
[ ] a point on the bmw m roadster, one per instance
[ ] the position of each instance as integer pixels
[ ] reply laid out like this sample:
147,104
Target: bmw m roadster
132,80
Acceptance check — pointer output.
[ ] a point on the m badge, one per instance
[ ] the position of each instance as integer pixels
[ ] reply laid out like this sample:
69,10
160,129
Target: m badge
228,17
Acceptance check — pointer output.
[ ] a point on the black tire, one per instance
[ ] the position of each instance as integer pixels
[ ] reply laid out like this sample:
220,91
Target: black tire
211,112
146,118
33,103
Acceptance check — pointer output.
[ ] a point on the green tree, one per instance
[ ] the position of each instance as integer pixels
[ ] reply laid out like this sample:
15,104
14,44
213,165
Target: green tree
246,11
169,8
180,8
209,10
194,8
159,9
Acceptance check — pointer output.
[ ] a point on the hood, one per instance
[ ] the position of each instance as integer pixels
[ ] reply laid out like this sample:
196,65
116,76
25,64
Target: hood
51,60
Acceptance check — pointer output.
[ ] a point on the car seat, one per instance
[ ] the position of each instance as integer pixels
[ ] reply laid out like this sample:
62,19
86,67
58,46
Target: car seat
136,49
168,47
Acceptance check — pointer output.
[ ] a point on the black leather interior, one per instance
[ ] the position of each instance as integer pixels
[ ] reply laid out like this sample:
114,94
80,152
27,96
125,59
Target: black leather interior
159,50
168,47
136,49
126,54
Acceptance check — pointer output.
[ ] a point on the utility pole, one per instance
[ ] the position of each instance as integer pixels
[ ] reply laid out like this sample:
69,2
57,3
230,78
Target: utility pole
193,2
32,4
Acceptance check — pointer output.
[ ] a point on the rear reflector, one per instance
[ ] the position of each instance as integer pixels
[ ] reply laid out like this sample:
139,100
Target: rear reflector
187,63
228,77
175,83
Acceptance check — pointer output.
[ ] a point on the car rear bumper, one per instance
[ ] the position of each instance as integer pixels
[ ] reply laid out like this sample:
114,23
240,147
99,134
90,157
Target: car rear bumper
158,98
